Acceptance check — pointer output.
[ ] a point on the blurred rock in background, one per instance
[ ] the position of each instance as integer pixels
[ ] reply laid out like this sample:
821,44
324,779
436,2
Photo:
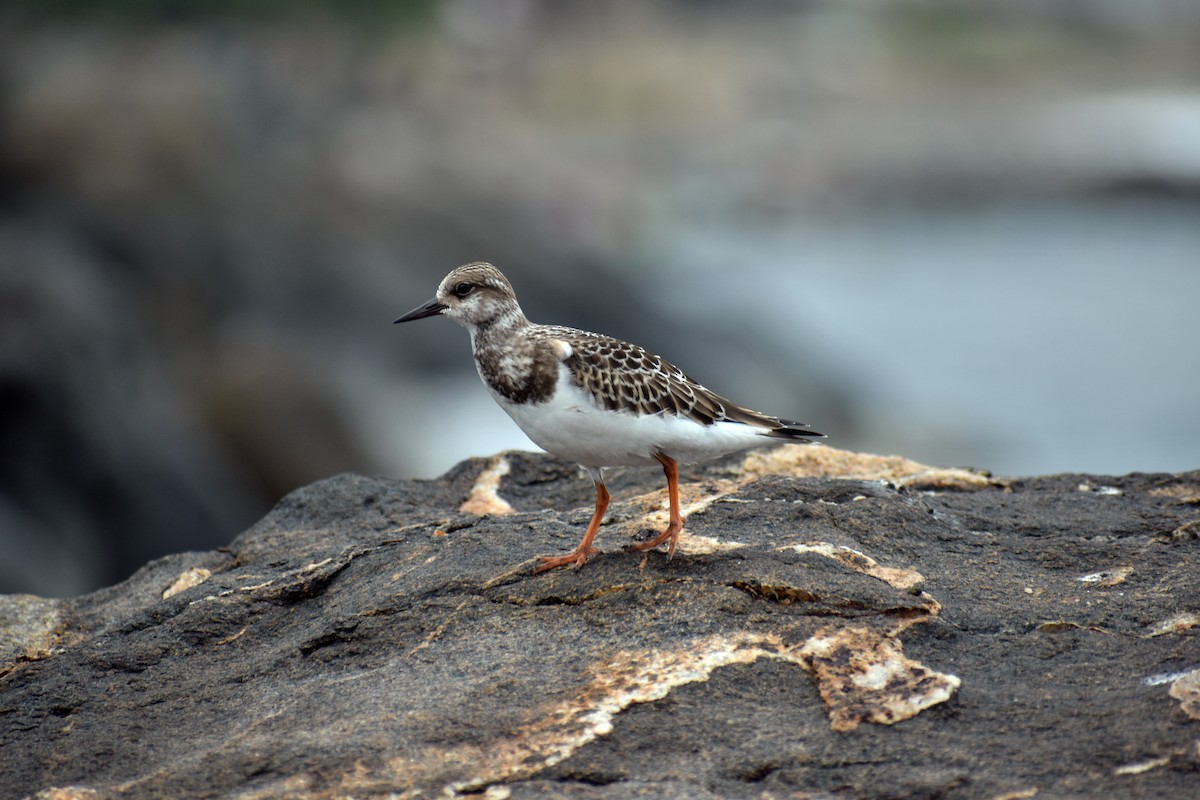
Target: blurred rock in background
967,234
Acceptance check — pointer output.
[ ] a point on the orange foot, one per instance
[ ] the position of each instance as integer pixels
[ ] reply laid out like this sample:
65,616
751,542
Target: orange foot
575,559
671,534
579,556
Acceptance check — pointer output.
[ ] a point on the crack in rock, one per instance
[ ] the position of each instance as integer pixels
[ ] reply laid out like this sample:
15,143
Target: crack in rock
295,585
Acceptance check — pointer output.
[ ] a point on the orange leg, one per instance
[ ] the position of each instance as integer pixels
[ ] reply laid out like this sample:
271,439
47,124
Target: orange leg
671,534
579,556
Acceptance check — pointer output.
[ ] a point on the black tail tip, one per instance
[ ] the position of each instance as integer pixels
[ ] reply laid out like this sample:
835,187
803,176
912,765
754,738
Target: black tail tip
796,432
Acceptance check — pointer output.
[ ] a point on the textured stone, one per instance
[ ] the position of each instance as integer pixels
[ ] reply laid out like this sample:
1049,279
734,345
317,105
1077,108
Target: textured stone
882,635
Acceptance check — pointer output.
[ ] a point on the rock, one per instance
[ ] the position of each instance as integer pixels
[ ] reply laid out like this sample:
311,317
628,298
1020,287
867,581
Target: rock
905,632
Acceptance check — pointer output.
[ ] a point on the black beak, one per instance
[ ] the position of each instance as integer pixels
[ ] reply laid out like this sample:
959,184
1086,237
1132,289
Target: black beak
430,309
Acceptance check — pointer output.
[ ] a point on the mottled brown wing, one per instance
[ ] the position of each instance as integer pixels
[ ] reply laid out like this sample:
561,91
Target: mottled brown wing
624,376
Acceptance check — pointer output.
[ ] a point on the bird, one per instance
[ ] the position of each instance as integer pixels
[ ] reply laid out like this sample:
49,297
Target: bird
596,400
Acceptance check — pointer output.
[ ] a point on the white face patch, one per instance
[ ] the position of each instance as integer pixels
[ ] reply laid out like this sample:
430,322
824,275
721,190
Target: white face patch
485,306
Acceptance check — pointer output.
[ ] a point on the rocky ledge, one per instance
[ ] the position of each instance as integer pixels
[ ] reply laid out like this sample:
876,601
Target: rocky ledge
834,625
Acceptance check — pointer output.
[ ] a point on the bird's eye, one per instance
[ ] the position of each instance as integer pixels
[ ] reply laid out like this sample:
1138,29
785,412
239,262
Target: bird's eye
463,289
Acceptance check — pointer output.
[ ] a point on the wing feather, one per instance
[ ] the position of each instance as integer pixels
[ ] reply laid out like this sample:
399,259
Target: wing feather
621,376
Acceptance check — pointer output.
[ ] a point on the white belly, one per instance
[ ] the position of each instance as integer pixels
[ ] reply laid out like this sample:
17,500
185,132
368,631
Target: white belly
570,425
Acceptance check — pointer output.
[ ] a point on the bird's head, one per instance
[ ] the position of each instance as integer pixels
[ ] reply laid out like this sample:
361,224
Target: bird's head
474,295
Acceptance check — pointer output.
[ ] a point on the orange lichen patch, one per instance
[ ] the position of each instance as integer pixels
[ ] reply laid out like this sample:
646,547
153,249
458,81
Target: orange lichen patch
1184,493
1186,689
67,793
1142,766
693,545
904,579
1020,794
186,580
1186,531
298,787
694,498
1176,624
1108,578
484,498
864,675
828,462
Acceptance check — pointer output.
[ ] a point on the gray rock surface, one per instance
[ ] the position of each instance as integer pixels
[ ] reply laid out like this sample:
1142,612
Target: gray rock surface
892,632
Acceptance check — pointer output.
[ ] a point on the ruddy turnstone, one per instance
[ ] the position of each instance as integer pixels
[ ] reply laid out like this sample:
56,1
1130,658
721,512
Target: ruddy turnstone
593,399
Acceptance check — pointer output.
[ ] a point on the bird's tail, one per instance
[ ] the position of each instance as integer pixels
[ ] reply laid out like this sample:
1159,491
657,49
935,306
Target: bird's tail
794,432
774,427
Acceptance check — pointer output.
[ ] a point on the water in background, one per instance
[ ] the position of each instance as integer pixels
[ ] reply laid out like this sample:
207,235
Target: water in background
1024,338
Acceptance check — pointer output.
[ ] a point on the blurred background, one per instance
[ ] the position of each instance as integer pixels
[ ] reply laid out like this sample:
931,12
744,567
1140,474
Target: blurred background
968,233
